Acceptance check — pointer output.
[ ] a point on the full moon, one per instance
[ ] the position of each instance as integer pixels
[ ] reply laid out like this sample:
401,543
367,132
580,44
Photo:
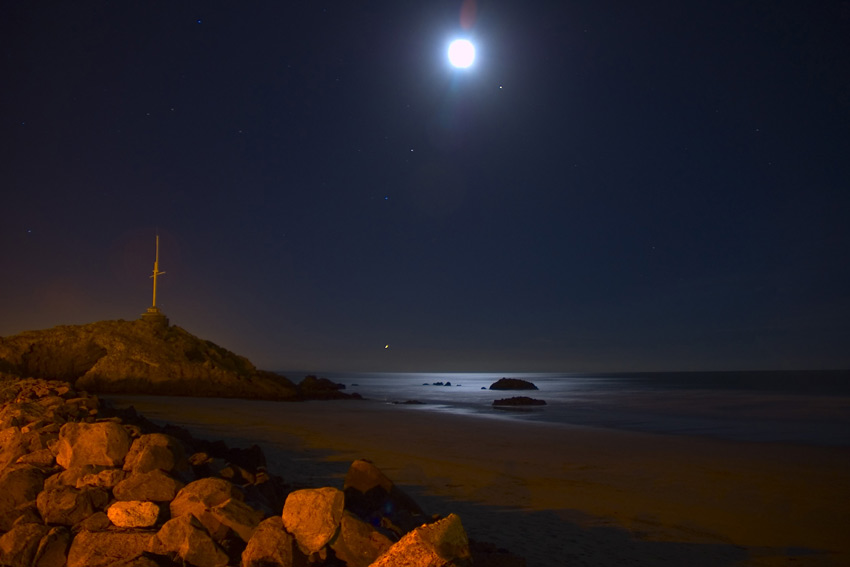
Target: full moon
461,53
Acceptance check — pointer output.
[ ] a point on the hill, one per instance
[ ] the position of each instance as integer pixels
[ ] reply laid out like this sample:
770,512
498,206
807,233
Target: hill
140,357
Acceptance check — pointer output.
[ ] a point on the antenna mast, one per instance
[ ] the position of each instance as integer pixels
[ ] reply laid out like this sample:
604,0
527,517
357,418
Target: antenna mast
156,272
154,315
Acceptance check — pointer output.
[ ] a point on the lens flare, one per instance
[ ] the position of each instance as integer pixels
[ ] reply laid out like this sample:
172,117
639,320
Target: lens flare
461,53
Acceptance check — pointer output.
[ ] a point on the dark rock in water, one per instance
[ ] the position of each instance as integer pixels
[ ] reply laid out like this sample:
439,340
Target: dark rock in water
512,384
483,388
437,384
519,401
447,384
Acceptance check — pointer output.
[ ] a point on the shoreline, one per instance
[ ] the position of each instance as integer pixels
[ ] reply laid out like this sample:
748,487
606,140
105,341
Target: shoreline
590,495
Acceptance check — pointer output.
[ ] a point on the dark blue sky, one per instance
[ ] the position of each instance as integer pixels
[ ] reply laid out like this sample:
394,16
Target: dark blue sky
661,185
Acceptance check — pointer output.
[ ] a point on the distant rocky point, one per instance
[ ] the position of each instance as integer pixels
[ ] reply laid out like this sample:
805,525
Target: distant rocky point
143,357
512,384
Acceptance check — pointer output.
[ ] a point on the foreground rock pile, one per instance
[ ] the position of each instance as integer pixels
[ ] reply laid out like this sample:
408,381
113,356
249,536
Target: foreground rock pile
82,485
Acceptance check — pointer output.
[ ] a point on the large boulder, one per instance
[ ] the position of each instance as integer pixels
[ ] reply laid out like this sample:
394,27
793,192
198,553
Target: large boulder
107,478
238,517
72,476
134,514
358,543
186,537
69,506
106,549
19,545
153,486
512,384
12,446
440,544
20,485
42,458
53,548
97,522
204,493
371,495
313,515
156,451
198,498
272,546
104,443
140,561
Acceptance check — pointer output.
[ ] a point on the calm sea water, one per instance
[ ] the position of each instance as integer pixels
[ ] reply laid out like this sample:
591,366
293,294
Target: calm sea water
801,407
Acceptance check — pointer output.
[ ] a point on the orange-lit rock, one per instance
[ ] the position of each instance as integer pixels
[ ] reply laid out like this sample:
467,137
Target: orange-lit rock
155,451
185,536
105,443
99,549
134,514
441,544
313,515
153,486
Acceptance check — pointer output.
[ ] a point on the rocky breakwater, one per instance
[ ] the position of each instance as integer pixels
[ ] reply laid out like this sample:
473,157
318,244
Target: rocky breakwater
137,357
84,485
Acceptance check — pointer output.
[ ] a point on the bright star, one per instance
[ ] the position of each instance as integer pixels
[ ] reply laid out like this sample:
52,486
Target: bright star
461,53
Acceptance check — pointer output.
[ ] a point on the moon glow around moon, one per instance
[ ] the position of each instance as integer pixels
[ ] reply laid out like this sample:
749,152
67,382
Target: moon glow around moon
461,53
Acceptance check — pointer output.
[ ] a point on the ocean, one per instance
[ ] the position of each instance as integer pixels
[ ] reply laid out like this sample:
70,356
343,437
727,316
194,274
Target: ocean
807,407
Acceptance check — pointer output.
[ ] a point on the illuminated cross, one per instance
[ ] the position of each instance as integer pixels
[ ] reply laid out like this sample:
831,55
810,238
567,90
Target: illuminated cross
153,315
156,272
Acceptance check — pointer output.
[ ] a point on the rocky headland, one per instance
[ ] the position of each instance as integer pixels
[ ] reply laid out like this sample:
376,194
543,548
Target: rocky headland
142,357
85,485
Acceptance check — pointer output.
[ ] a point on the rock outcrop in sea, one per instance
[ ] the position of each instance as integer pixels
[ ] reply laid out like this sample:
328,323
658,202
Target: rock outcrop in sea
84,485
140,357
518,401
512,384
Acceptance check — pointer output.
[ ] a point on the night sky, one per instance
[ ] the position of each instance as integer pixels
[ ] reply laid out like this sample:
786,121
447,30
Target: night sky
630,186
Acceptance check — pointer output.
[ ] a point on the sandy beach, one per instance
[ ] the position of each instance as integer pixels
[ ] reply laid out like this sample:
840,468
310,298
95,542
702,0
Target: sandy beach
557,494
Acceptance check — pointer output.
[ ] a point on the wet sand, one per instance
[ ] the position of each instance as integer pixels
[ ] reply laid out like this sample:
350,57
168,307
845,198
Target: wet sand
561,495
